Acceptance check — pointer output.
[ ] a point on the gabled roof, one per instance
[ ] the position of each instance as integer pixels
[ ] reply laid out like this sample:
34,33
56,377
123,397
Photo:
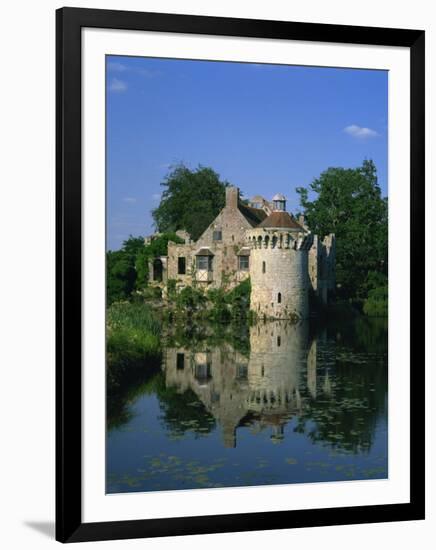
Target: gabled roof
280,218
204,251
253,215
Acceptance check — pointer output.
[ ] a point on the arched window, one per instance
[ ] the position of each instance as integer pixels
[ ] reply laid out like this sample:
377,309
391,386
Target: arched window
279,298
263,267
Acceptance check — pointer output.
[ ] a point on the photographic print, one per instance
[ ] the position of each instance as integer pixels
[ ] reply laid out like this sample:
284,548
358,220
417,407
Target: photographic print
246,274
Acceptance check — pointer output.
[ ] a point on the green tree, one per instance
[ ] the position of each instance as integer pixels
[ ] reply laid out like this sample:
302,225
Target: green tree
191,200
127,268
121,275
349,203
120,269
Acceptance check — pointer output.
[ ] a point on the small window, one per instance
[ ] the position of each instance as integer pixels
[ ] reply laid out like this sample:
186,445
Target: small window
263,267
204,263
279,341
244,263
181,266
241,372
218,235
279,298
180,361
215,397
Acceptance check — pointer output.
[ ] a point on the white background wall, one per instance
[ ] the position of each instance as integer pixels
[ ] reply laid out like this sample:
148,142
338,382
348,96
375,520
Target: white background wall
27,213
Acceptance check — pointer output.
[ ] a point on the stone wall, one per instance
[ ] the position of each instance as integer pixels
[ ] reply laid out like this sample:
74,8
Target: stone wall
279,274
233,226
322,267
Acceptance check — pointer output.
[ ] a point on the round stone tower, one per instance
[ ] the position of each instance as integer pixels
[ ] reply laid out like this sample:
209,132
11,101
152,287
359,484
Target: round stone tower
279,265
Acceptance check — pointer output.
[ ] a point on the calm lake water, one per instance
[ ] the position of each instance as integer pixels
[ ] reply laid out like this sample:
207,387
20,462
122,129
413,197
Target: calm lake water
270,404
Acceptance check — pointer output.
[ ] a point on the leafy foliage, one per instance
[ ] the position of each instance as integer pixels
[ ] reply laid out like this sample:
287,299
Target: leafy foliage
190,300
217,305
127,269
349,203
232,305
191,200
376,304
121,275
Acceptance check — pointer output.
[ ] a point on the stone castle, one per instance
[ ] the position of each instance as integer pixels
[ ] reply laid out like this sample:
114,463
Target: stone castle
260,240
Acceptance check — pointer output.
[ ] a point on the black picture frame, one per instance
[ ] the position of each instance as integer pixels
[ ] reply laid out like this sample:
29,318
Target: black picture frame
69,525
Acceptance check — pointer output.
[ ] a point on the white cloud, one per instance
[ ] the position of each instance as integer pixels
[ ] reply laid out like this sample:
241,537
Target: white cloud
129,199
117,85
359,132
156,196
148,73
116,66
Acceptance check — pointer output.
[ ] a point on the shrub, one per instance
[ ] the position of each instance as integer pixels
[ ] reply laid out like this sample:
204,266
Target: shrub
376,305
190,300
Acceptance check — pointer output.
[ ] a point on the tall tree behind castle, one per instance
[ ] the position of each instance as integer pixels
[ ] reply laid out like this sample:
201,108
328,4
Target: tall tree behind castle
191,200
349,203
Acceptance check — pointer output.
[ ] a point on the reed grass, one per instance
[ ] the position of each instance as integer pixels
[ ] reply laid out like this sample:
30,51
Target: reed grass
132,341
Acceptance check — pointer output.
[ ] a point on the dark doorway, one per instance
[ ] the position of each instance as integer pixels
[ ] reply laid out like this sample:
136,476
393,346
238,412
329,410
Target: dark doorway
180,361
181,266
157,270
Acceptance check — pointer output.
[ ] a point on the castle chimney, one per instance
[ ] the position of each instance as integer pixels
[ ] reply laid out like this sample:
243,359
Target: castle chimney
232,197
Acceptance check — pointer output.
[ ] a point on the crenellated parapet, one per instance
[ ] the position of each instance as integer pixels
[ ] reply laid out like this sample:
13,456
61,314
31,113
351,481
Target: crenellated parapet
279,239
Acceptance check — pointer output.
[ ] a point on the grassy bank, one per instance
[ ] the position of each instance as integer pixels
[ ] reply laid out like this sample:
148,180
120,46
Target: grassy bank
133,341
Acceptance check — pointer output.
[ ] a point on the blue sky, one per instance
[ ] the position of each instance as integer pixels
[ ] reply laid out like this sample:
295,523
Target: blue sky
264,128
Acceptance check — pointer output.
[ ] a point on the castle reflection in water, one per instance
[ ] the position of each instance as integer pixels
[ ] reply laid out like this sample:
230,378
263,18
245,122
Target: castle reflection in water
261,389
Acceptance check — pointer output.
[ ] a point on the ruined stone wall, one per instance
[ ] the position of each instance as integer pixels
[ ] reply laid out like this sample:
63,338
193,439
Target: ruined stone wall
322,266
186,251
313,263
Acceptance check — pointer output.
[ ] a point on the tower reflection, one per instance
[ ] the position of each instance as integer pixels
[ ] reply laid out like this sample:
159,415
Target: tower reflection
261,389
